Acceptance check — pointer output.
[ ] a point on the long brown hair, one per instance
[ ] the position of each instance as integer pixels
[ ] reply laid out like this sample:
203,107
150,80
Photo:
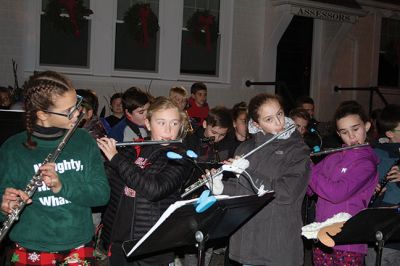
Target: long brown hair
40,90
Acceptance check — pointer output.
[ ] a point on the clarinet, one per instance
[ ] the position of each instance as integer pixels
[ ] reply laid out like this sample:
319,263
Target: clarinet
36,180
198,184
383,184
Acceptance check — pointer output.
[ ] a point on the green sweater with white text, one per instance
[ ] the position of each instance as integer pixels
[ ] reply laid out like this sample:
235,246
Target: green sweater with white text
62,221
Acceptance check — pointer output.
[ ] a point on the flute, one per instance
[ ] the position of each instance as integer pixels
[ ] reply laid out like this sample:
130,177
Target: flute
327,151
147,142
36,180
203,181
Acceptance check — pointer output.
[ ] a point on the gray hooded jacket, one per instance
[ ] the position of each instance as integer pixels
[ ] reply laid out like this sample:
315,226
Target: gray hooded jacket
273,235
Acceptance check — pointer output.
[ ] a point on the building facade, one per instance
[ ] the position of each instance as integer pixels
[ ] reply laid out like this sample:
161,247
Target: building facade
345,49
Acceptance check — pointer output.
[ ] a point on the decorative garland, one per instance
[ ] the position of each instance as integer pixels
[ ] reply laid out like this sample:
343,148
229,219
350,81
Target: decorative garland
142,23
203,27
75,10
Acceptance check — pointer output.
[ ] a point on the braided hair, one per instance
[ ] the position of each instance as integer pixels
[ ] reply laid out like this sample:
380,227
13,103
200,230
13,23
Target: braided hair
40,90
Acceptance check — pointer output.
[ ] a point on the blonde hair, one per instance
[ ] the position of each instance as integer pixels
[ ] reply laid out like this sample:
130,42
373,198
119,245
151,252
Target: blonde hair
163,103
178,90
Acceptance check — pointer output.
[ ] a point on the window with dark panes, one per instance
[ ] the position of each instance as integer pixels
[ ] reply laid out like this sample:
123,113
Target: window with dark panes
64,39
389,53
200,37
136,37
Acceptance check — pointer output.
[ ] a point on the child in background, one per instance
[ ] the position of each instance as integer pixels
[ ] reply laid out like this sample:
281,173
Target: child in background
135,103
307,103
301,118
388,123
310,135
5,98
209,141
198,106
272,236
56,228
178,96
116,109
240,120
144,182
374,136
344,182
91,121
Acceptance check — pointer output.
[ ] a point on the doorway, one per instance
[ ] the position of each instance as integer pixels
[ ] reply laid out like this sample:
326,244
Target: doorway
293,66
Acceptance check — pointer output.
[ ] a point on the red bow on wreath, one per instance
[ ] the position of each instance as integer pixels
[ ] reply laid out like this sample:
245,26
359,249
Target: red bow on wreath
204,23
70,6
144,13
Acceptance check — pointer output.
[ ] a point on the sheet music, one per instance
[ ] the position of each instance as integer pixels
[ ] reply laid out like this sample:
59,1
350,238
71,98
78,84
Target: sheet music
168,213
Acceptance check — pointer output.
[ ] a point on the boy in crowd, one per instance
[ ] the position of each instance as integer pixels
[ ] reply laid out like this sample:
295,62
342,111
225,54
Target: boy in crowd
198,107
388,123
307,103
302,119
116,109
178,96
209,141
5,98
135,103
91,121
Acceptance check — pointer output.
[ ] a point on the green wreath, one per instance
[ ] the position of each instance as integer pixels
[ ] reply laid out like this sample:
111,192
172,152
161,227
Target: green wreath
201,24
76,11
141,22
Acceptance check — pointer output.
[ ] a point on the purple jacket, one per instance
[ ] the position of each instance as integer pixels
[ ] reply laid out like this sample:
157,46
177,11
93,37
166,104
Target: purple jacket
344,182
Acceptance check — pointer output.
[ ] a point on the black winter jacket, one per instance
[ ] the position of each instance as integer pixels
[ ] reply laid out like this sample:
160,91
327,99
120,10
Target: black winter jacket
207,150
142,188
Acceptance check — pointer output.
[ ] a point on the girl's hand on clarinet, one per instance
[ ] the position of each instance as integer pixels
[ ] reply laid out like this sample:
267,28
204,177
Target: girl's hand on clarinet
394,174
11,198
108,147
50,177
378,189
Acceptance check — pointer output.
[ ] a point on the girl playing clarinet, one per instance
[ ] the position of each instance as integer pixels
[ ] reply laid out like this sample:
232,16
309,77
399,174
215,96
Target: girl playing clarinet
144,182
56,228
345,181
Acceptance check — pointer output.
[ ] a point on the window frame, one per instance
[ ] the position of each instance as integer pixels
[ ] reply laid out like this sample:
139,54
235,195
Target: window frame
102,39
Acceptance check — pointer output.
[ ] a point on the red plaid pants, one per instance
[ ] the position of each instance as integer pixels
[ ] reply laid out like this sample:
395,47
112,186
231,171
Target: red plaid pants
80,256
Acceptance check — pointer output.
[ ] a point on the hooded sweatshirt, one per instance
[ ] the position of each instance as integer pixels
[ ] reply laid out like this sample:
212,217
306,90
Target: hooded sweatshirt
344,182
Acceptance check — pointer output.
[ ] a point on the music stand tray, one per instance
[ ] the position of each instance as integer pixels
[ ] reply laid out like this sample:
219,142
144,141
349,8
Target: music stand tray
374,225
181,225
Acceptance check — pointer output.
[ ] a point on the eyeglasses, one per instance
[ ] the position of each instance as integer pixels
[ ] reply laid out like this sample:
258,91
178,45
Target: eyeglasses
71,111
395,130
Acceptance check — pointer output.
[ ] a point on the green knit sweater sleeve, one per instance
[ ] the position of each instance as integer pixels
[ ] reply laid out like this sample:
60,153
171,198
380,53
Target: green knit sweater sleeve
7,169
93,190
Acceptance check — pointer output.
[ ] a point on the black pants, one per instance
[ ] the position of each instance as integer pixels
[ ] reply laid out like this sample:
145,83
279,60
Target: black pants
118,258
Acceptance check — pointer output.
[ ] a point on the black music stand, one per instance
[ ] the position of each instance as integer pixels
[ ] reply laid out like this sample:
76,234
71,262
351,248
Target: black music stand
185,227
375,225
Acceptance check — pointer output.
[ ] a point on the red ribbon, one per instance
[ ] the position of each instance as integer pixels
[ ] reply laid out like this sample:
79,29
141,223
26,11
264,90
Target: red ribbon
70,6
138,148
144,13
205,23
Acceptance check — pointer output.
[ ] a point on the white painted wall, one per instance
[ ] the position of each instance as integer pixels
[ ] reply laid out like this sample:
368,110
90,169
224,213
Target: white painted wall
343,54
12,25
